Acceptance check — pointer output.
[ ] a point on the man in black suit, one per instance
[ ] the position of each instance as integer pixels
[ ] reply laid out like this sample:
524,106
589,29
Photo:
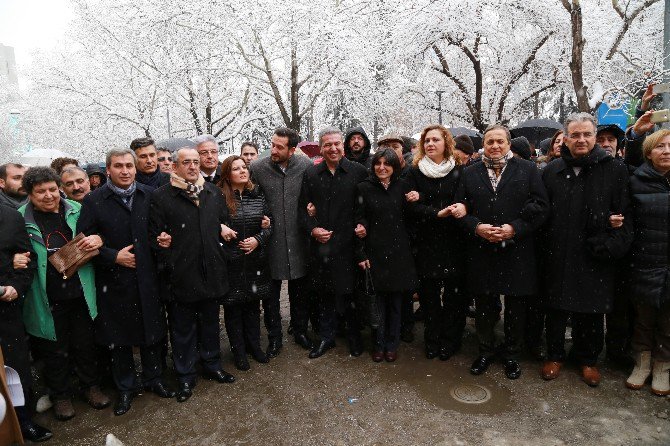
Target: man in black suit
192,267
208,149
506,203
148,172
331,188
130,312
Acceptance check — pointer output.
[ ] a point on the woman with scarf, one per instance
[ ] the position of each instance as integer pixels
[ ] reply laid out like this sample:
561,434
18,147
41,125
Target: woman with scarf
438,246
506,203
248,269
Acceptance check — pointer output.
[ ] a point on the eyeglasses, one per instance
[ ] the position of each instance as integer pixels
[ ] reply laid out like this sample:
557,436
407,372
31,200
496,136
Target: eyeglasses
189,162
578,135
208,152
162,159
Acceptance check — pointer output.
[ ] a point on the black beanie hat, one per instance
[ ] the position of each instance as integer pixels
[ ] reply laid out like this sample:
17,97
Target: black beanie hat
464,144
521,147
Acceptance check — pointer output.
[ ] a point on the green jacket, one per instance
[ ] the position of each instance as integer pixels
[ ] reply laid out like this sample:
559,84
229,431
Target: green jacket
36,313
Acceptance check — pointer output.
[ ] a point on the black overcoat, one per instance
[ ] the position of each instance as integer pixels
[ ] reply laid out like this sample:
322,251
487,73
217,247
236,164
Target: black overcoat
130,311
520,200
386,244
194,267
333,263
438,243
579,247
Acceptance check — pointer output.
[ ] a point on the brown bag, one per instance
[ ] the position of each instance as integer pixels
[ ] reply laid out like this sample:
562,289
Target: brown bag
68,259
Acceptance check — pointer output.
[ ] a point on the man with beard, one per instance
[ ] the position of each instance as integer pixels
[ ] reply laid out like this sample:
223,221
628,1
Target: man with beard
12,193
357,146
148,172
74,183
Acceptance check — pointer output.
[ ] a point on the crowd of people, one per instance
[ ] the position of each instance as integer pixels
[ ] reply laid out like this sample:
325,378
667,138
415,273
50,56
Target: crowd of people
575,236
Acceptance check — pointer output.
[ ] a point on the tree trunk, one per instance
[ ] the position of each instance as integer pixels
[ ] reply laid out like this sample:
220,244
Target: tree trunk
576,61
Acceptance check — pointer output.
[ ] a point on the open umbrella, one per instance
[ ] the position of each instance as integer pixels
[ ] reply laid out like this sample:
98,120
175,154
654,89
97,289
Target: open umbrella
42,157
474,135
173,144
535,130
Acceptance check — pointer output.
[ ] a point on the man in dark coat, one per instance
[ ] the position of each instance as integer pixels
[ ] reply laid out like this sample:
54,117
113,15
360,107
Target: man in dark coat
208,149
280,177
12,193
331,187
14,240
506,203
130,312
587,230
192,268
357,146
148,172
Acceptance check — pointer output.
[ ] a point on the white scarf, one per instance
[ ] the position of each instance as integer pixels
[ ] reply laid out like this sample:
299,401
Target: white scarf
431,169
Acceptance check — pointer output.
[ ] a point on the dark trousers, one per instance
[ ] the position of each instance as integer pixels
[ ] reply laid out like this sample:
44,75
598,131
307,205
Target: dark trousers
14,346
194,331
272,314
407,311
74,346
387,336
652,331
243,327
534,324
328,316
619,324
487,313
123,366
588,335
444,314
299,302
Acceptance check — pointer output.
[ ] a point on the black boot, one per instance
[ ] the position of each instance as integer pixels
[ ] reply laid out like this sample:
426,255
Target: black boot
320,349
123,403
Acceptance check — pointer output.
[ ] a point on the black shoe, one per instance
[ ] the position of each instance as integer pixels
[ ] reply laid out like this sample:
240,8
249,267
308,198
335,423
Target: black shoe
185,392
446,353
241,363
407,334
260,356
274,348
303,341
123,403
34,432
355,348
431,353
220,376
322,348
160,390
512,369
480,365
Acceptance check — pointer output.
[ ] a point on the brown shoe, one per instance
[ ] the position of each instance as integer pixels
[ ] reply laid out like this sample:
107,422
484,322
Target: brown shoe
590,375
96,399
378,356
63,410
391,356
551,369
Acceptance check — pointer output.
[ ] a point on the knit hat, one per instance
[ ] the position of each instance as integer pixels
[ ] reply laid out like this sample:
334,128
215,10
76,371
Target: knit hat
521,147
464,144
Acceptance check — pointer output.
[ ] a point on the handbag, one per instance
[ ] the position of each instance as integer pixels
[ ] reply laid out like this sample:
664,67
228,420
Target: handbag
69,258
371,296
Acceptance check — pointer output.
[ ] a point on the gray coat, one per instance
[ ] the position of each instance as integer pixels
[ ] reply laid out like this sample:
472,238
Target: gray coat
288,250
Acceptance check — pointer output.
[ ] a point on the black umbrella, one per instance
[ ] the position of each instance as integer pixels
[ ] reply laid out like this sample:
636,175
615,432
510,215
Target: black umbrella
474,135
173,144
535,130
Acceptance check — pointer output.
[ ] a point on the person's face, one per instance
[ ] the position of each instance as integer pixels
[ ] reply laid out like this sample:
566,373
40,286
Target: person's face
356,143
94,181
556,149
239,173
496,144
434,145
580,138
462,157
187,164
164,161
121,170
279,149
45,197
332,148
12,184
209,153
147,162
607,141
249,154
383,170
75,185
660,155
397,148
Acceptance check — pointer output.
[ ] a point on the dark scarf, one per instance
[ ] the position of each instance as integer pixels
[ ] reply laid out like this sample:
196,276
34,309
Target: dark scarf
126,195
152,180
594,157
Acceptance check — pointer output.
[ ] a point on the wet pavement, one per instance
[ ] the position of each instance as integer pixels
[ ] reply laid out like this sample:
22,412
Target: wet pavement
341,400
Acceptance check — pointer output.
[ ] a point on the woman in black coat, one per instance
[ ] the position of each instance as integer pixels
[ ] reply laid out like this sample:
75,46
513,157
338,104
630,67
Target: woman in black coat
650,261
438,244
385,250
248,269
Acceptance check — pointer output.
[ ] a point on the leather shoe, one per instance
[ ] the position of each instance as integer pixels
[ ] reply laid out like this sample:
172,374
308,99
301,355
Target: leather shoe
241,363
320,349
185,392
378,356
260,356
35,433
220,376
355,348
274,348
303,341
161,390
481,365
391,356
551,369
512,369
590,375
123,403
446,354
431,353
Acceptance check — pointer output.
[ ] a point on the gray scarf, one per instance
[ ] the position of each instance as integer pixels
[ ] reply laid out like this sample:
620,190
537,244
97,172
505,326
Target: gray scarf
126,195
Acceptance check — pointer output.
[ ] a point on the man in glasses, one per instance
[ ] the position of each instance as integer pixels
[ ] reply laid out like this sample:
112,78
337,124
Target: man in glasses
208,150
148,172
164,160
